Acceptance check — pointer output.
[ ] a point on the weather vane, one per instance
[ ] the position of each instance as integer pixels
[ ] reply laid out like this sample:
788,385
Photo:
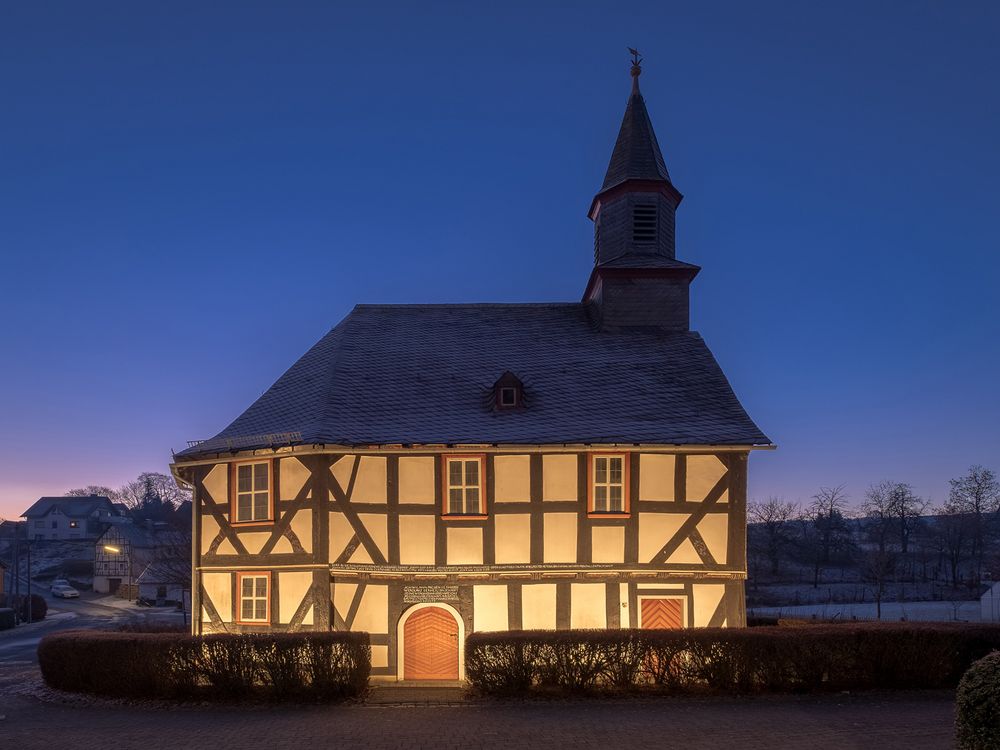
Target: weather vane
636,57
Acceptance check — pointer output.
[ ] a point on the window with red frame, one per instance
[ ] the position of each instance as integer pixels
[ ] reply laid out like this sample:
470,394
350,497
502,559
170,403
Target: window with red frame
464,491
608,484
254,598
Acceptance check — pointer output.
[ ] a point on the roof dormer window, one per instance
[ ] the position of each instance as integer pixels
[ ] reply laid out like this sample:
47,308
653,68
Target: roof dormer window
508,392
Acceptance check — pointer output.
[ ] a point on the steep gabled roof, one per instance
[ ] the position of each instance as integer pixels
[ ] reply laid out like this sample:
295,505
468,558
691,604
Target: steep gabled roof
636,155
417,374
74,506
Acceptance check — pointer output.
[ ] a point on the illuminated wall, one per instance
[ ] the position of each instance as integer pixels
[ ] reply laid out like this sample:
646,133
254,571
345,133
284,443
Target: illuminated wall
356,540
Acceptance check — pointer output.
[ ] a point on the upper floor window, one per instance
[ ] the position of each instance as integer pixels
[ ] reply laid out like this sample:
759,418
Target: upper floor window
644,223
609,483
252,497
40,523
464,479
255,597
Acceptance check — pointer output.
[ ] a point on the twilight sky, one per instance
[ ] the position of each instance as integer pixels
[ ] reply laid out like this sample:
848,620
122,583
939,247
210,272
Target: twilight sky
192,193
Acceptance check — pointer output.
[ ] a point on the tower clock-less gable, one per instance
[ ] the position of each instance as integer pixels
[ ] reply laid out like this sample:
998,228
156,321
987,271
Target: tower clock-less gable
567,465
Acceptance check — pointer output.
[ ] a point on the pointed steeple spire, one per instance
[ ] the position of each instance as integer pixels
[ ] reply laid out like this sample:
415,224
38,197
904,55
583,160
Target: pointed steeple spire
637,155
637,281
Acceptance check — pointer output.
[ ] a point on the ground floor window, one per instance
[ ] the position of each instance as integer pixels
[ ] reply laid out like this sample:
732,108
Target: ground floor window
254,597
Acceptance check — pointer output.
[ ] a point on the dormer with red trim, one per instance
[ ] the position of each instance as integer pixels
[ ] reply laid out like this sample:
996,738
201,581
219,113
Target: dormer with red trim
637,281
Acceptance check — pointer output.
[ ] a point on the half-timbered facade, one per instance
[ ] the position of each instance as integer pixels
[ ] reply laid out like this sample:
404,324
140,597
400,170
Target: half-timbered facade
426,471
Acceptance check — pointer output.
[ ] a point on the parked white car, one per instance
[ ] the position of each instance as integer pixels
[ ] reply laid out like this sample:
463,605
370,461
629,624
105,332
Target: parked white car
65,591
58,582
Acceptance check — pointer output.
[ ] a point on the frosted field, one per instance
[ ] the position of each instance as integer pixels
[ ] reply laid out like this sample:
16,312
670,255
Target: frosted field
916,611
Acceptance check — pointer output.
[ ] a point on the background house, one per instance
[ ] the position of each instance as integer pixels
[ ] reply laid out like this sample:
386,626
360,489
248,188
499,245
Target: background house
76,517
164,581
125,550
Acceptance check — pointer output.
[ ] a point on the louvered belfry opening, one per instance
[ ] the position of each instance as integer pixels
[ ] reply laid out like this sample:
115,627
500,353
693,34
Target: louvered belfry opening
644,224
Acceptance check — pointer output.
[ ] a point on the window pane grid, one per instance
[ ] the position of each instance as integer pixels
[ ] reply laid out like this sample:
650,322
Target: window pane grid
609,484
253,598
464,486
253,492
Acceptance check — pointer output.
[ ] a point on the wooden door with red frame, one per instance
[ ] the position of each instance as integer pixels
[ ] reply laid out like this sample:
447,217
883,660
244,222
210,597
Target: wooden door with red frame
430,645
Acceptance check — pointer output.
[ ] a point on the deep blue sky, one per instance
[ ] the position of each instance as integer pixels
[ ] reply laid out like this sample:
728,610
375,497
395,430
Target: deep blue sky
192,193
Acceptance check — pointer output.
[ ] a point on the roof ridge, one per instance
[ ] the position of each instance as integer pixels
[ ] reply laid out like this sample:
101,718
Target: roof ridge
446,305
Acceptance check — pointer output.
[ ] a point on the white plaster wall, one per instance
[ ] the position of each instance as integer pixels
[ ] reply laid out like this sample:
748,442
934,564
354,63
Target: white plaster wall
588,606
559,477
538,606
512,479
489,608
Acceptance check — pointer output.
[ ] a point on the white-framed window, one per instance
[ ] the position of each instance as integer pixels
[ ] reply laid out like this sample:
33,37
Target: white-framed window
608,489
463,495
252,498
508,396
254,597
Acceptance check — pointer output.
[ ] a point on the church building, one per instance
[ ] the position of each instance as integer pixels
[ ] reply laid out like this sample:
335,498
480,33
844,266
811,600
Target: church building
426,471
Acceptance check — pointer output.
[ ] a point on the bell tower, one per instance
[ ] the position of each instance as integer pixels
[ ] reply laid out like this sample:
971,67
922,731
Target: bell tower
637,281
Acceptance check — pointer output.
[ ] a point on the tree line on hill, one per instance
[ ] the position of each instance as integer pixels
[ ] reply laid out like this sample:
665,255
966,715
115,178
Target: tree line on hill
892,539
151,497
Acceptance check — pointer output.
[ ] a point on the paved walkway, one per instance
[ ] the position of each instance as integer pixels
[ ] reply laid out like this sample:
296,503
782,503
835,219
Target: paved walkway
914,721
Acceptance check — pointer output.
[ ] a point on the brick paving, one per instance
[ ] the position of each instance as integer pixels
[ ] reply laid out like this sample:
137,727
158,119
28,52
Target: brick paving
911,720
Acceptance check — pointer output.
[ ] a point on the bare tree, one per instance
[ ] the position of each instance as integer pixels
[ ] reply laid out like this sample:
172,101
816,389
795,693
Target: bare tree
148,487
907,509
977,496
951,535
771,533
823,528
93,489
880,511
828,510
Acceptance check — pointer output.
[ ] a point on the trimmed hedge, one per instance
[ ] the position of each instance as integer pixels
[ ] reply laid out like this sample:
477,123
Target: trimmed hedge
320,666
720,660
32,608
977,705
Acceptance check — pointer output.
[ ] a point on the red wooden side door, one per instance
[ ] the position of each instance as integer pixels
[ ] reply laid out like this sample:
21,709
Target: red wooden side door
430,645
662,614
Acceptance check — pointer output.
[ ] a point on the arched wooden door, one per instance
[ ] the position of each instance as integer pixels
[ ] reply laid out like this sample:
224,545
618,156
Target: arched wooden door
430,645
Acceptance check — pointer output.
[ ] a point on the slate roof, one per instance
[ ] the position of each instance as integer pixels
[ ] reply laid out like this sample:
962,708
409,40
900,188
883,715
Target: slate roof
161,571
74,506
423,374
636,155
140,536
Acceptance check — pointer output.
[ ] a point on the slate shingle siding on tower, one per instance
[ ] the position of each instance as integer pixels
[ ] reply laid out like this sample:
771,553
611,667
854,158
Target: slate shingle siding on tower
616,228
